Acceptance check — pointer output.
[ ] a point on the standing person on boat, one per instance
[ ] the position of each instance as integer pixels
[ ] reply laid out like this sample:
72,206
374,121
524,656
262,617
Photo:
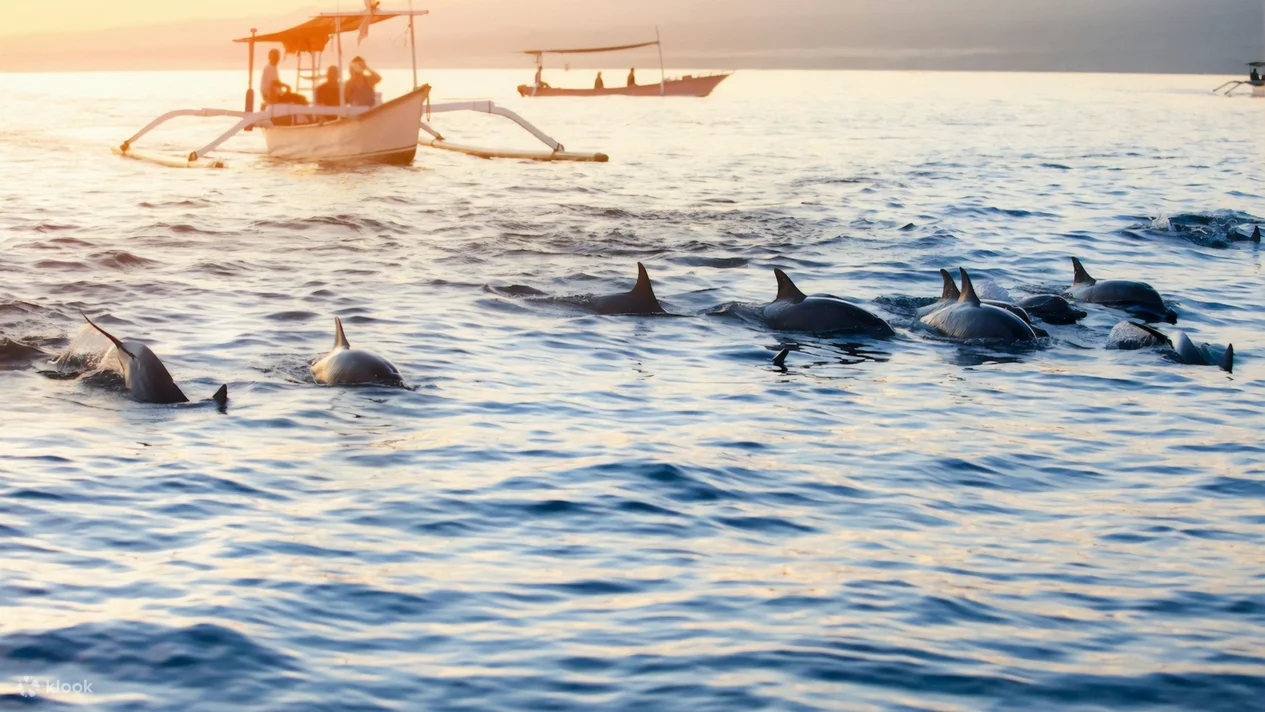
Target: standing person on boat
361,83
327,93
540,68
598,83
632,77
1255,76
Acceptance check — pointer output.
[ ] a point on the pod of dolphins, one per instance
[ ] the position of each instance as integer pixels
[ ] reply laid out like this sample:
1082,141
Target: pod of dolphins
958,314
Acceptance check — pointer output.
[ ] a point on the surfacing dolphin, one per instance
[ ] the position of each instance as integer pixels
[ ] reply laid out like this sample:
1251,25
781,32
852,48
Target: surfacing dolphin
950,294
793,310
1137,297
146,378
1129,336
641,300
345,366
1051,308
969,318
1235,236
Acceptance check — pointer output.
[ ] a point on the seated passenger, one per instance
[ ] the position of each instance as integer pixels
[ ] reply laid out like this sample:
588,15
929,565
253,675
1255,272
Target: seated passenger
632,77
361,83
598,83
1256,75
327,93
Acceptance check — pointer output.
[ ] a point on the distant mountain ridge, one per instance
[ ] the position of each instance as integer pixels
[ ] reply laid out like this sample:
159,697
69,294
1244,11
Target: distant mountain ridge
1170,36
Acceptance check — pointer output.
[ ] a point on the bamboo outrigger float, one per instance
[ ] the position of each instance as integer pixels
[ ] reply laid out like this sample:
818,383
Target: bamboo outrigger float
387,132
1254,81
699,85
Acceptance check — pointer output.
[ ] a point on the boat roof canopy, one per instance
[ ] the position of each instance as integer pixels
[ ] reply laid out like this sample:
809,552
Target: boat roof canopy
589,50
1256,64
313,35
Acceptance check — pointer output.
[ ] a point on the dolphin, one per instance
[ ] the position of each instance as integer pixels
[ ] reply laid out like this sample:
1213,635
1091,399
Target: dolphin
640,300
1138,297
1051,308
345,366
1131,336
970,318
1235,236
146,378
949,296
792,310
1202,354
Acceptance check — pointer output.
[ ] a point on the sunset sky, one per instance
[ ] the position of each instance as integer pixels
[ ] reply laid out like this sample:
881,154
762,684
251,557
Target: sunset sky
1197,36
32,17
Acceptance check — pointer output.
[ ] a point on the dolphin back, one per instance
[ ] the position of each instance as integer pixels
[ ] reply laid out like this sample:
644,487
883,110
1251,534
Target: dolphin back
348,367
148,379
639,300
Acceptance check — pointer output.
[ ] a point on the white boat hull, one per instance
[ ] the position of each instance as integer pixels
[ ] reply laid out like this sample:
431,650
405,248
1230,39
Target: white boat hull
384,134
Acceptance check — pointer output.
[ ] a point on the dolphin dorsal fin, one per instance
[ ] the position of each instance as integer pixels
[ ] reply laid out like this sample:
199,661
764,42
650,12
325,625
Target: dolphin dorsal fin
1080,276
340,339
786,289
1256,234
1227,359
968,289
950,291
1153,332
117,344
221,396
643,286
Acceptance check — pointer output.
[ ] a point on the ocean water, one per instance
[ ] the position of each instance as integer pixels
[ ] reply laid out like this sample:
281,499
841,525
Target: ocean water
567,511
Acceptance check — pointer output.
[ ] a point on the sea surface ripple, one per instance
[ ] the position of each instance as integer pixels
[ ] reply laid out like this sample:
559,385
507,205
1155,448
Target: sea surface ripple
566,511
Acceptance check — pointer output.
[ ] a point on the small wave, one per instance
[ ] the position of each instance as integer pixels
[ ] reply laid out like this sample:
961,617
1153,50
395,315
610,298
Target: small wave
119,259
62,265
188,203
352,222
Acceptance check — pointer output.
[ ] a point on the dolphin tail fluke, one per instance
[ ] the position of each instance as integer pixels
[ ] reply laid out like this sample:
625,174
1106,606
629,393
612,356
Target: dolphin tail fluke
1256,234
117,344
780,359
1227,359
221,397
950,291
968,289
340,339
786,289
1080,276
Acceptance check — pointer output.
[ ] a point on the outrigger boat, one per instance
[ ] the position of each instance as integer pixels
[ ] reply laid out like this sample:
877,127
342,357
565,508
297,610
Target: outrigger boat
689,85
1255,82
387,132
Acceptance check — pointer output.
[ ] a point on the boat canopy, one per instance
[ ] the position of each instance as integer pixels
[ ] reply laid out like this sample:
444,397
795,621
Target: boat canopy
590,50
313,35
1256,64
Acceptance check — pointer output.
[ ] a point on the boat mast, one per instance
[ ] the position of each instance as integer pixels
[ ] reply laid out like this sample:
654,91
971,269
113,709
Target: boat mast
412,41
250,75
338,42
662,79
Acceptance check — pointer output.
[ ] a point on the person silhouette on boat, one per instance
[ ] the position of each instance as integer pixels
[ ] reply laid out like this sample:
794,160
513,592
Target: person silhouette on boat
274,90
632,77
361,83
1255,76
598,83
540,82
270,79
327,92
